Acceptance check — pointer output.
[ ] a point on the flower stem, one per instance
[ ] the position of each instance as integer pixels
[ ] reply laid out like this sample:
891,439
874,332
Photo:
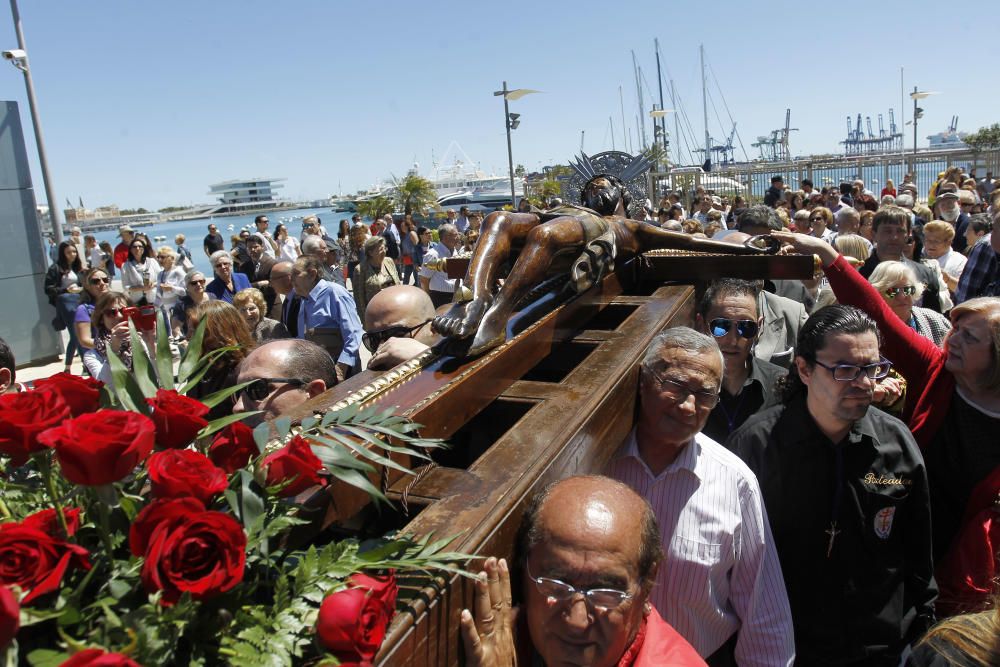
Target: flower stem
45,466
104,526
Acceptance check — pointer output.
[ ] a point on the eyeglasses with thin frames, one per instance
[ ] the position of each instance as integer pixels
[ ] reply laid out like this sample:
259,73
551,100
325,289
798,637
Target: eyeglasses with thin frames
851,372
679,393
601,599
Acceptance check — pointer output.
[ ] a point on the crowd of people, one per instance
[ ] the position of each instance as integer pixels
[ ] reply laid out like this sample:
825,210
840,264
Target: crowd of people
812,476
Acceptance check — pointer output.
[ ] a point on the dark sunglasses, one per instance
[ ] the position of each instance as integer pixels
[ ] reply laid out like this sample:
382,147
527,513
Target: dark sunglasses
196,282
98,281
892,292
720,326
139,246
373,339
261,387
115,312
816,218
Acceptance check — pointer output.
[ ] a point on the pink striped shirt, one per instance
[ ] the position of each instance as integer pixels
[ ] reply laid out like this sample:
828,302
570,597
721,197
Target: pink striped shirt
721,574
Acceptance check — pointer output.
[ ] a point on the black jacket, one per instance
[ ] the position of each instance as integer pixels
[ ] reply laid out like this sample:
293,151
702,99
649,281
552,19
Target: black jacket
861,600
758,393
53,283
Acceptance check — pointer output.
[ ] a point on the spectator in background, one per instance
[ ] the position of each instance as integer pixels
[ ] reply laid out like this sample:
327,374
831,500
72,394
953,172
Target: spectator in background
373,274
224,327
195,295
62,286
140,271
329,257
979,226
889,189
111,332
226,282
95,258
121,254
327,315
260,270
170,281
184,259
436,282
288,246
288,311
408,242
948,210
109,257
937,246
96,283
424,239
252,306
820,221
773,194
897,284
270,246
214,241
81,247
981,275
358,236
866,226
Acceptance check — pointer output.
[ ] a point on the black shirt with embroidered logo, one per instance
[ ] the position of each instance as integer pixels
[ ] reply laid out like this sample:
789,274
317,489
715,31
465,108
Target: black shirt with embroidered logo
851,524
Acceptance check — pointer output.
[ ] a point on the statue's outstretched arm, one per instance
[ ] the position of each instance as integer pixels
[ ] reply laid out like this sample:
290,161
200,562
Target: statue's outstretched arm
651,237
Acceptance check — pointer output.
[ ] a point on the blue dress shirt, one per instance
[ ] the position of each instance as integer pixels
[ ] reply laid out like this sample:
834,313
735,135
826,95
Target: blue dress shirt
330,305
219,290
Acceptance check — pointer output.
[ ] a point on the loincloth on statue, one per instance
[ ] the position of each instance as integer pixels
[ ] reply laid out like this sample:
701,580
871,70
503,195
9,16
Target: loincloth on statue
597,258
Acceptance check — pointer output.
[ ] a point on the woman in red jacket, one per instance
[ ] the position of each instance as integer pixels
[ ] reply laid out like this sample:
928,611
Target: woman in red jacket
953,401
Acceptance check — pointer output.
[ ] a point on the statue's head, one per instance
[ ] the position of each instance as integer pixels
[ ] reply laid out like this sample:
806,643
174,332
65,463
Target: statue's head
603,193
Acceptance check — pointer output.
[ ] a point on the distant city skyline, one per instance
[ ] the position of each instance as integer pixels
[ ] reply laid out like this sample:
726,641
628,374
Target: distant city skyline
148,104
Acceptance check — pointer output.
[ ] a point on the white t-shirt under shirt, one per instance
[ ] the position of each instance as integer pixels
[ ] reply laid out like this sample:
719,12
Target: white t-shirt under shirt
952,263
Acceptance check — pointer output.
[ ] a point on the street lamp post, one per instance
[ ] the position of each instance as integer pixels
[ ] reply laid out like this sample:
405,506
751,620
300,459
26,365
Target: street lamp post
511,120
917,114
20,61
661,128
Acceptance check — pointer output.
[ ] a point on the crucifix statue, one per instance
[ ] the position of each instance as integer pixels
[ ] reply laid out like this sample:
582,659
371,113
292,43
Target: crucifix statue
582,239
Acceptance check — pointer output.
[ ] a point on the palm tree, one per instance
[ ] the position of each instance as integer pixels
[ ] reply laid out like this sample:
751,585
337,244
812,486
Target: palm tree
416,194
375,207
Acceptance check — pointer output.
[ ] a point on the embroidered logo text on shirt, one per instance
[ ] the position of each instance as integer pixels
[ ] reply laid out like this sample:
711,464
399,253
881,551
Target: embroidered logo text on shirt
879,480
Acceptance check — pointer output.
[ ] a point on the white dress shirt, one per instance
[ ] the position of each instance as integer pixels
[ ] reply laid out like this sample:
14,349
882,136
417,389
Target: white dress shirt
721,573
439,281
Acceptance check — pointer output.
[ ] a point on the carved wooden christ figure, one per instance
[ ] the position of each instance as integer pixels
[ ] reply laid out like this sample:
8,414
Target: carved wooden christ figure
582,239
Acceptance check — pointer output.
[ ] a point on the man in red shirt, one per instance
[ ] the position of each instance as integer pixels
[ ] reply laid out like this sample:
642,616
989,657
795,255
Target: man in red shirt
121,250
590,551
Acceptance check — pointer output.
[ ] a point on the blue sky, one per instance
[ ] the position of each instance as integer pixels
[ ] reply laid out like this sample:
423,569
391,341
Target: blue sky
147,103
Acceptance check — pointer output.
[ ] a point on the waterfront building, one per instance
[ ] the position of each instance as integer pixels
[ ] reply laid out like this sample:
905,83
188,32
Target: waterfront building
245,194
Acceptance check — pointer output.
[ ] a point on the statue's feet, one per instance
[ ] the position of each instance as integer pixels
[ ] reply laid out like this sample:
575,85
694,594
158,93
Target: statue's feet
492,332
462,319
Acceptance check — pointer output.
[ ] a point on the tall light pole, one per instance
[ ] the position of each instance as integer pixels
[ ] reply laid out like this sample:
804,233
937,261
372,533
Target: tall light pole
662,127
19,59
917,114
511,120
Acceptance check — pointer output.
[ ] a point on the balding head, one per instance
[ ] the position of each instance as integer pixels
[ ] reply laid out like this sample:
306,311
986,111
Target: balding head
309,367
281,277
399,306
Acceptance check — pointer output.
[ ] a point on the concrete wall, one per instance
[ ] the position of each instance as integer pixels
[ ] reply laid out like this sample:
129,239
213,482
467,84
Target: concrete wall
25,313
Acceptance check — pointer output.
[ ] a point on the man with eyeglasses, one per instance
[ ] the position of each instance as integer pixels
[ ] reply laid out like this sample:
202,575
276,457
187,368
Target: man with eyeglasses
720,585
728,311
846,493
589,552
283,375
398,326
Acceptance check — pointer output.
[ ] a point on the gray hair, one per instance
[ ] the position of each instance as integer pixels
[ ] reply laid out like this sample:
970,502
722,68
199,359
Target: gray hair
217,255
194,275
886,274
848,212
906,201
679,337
887,200
447,228
311,245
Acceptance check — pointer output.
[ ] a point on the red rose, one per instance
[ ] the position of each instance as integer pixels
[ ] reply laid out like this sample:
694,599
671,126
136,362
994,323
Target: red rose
97,657
382,587
352,623
233,447
101,447
182,473
47,521
188,550
81,394
177,417
23,415
294,463
34,559
10,617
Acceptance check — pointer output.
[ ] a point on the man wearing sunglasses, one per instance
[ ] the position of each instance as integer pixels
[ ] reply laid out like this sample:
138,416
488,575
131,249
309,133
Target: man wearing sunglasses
720,585
846,493
728,311
398,326
283,374
589,552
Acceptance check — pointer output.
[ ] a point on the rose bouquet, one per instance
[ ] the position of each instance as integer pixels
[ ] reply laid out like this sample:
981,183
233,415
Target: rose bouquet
135,532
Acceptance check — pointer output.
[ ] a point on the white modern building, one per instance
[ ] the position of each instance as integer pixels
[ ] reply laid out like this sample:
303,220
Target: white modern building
245,194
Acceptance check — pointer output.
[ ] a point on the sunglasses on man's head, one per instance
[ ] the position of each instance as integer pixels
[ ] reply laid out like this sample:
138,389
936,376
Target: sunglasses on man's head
721,326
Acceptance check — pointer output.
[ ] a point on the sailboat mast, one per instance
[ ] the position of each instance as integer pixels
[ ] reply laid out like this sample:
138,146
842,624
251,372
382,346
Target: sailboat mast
704,102
621,101
677,123
659,83
638,91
